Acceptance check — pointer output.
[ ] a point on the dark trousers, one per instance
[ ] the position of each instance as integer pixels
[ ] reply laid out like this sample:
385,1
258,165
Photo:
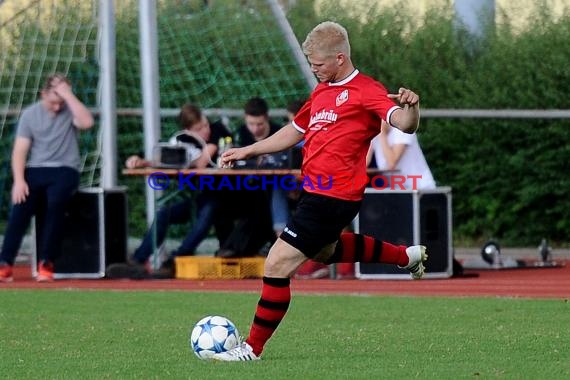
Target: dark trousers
50,191
204,207
244,221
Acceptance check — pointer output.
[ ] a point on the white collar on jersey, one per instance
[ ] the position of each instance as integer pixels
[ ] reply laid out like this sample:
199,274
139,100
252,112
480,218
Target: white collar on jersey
345,80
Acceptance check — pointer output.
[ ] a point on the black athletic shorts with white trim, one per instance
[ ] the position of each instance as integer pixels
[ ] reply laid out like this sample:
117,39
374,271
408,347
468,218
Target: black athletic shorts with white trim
318,221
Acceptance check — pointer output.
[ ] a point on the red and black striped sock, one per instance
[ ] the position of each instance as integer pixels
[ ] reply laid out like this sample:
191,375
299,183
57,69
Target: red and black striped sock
271,308
352,248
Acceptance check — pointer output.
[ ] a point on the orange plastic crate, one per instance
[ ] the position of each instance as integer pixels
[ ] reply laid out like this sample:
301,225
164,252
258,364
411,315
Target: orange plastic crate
199,268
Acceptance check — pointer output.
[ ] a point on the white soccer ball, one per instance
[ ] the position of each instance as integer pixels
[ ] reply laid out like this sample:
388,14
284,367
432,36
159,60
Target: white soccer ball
212,335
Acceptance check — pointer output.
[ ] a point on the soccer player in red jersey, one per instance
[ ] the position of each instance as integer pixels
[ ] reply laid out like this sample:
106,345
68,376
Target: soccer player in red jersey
339,120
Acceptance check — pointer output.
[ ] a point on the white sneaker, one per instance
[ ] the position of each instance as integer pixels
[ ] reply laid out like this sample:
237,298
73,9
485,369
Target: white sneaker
241,352
416,255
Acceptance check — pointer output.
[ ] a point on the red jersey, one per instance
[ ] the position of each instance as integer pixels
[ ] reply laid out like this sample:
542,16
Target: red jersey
338,121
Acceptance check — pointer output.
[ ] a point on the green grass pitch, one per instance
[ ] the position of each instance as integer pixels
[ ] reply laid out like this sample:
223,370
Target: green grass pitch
77,334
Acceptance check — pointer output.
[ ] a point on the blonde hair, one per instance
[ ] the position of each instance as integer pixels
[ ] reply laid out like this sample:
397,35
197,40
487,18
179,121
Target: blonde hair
328,38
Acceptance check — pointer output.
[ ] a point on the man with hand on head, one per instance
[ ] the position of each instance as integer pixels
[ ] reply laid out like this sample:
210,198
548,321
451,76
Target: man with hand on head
45,166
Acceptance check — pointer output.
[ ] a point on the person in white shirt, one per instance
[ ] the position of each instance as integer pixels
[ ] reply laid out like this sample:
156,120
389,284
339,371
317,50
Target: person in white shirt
394,150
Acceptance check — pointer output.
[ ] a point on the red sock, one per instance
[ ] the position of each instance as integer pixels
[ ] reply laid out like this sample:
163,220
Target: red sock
271,308
353,248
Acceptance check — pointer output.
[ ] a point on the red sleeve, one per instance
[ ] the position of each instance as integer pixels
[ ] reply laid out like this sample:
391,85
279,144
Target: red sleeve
376,100
303,117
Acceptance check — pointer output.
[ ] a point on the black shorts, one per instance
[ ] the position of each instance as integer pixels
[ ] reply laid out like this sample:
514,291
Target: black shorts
318,221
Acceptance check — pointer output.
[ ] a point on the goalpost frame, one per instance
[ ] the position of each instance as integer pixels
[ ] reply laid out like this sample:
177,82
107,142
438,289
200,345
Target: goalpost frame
148,39
107,93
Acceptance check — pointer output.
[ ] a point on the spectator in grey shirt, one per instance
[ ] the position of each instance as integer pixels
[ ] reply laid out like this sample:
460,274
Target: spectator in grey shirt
45,167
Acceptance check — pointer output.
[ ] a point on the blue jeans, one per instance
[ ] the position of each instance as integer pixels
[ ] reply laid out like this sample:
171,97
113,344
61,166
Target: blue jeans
179,213
50,191
279,208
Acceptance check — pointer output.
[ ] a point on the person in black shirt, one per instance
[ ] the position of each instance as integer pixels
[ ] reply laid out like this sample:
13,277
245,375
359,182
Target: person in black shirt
260,215
257,127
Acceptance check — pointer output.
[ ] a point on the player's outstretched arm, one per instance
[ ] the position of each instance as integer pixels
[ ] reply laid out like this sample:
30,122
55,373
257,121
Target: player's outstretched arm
283,139
407,119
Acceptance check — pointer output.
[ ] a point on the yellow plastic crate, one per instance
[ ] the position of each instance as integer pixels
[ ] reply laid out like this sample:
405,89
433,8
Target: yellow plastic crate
199,268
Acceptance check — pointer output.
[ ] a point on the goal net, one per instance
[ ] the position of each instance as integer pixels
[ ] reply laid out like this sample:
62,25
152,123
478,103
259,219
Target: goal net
216,54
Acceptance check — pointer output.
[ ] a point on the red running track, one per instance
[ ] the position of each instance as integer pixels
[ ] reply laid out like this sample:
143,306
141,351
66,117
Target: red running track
526,283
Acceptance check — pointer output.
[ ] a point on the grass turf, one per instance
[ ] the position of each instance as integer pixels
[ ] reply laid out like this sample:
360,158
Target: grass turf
73,334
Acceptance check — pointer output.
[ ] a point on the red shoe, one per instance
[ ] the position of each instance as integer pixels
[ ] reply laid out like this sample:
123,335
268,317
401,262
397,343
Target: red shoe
312,270
6,273
45,272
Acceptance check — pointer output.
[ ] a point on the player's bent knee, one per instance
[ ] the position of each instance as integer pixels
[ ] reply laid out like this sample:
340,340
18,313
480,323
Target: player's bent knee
283,260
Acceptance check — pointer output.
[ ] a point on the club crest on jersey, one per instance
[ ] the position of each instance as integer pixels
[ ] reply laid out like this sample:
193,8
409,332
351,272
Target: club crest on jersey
341,98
